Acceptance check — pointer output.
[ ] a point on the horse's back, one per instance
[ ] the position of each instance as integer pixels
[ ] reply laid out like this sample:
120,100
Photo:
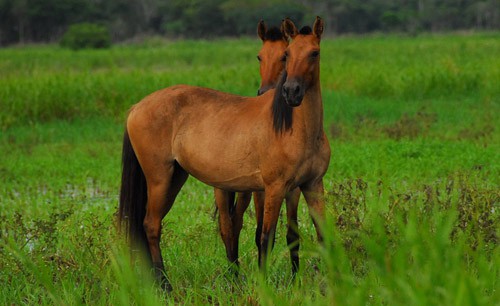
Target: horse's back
186,98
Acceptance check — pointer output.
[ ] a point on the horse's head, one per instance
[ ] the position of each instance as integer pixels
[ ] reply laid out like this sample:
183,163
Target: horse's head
270,56
301,59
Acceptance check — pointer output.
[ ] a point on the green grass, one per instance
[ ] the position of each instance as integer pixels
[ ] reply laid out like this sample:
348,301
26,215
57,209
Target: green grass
413,184
47,83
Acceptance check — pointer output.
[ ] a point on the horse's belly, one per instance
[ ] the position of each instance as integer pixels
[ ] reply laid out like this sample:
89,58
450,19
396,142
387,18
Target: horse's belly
222,167
235,182
230,179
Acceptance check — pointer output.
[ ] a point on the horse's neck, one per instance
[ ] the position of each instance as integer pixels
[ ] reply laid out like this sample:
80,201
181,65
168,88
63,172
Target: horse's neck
312,113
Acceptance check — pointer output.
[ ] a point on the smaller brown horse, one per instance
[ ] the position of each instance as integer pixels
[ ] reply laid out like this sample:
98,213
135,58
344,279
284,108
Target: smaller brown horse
274,44
273,143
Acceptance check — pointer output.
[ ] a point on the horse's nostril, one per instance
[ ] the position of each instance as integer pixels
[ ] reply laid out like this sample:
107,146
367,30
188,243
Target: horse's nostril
297,89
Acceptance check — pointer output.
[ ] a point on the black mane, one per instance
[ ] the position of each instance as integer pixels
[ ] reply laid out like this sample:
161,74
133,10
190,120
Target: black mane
306,30
282,112
273,34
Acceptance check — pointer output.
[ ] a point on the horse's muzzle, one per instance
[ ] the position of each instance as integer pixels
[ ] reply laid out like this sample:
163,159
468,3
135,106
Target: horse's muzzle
293,91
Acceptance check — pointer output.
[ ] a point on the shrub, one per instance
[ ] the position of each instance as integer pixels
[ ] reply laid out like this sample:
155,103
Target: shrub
86,35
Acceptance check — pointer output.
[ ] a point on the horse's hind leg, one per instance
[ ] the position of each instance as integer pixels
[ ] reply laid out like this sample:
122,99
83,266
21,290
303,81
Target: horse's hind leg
162,191
292,235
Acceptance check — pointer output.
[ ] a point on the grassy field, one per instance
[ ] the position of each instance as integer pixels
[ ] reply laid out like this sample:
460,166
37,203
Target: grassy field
413,184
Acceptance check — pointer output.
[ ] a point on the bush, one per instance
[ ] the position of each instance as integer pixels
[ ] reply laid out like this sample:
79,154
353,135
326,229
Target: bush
86,35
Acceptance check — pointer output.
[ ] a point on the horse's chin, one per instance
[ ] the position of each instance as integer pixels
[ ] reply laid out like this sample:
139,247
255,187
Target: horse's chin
294,102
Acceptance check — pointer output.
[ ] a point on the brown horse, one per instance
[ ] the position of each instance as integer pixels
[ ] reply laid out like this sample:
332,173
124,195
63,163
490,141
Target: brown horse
272,143
274,44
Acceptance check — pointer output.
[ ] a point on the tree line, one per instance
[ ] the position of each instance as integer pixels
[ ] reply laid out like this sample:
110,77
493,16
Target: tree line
23,21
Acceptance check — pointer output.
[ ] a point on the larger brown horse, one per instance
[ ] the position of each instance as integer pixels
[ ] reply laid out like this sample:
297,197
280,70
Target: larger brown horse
272,143
274,44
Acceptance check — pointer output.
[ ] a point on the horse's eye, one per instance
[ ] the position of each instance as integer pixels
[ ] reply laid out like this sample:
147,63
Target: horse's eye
314,54
258,58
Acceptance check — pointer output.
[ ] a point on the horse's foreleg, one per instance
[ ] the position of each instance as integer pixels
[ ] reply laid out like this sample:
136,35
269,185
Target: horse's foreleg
292,235
314,194
258,200
231,221
162,190
237,218
224,200
272,204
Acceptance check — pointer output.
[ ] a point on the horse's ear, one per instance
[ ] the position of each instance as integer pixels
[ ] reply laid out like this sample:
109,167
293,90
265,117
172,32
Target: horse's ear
261,30
318,27
288,29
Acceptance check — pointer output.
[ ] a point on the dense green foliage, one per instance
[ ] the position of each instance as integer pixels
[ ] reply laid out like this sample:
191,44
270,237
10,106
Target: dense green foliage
24,21
45,83
86,36
413,183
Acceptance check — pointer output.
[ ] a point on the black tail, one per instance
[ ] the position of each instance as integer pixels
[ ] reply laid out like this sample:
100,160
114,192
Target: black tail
133,198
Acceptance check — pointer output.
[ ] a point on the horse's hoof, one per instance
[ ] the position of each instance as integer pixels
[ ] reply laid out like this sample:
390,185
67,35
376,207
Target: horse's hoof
162,280
165,286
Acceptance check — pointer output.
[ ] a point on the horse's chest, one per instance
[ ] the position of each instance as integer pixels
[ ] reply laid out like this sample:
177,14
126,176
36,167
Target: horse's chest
311,162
